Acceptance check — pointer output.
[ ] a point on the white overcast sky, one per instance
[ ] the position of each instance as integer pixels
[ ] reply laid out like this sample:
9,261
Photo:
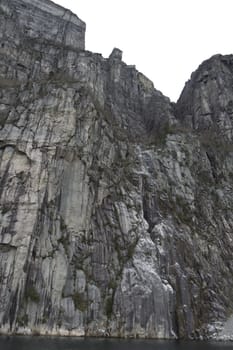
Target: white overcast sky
165,39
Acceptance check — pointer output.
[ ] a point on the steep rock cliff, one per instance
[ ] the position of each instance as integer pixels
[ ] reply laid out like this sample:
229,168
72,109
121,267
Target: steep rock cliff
115,205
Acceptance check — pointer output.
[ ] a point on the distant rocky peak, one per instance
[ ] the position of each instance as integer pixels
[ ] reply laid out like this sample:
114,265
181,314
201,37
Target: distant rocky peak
206,102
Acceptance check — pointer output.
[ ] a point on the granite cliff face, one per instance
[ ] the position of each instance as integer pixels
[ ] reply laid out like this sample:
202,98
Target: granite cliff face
115,204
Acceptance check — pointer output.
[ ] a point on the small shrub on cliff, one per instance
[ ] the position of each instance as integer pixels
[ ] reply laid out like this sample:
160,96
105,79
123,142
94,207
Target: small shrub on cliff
22,320
109,306
80,302
32,294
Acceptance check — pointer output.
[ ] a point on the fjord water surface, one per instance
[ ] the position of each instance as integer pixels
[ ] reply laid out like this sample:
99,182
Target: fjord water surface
55,343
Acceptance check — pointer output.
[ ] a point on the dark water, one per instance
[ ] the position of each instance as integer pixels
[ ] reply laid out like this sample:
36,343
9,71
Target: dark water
43,343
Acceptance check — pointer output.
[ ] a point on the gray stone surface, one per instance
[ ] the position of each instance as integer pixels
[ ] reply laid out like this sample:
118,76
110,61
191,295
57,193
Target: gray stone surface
115,204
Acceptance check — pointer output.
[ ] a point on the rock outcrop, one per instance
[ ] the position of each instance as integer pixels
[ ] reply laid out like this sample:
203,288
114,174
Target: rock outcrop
115,204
